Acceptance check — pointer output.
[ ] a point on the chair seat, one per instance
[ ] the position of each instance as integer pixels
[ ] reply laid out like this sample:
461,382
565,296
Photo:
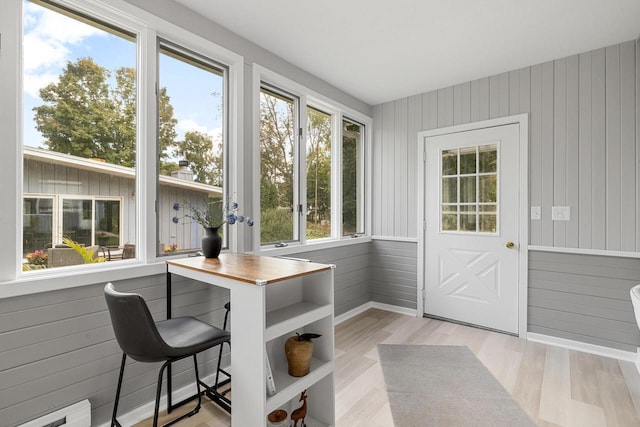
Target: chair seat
187,335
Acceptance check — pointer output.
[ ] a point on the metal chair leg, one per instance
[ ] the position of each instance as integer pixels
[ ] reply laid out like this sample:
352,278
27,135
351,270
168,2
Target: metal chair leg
114,420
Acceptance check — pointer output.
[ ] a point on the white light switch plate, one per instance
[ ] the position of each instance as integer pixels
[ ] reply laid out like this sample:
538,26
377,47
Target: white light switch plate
535,212
560,213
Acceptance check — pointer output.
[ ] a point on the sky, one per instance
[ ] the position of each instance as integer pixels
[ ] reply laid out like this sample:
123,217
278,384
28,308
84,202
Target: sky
52,39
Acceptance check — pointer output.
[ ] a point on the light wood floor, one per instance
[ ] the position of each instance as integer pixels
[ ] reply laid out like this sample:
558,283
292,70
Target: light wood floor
555,386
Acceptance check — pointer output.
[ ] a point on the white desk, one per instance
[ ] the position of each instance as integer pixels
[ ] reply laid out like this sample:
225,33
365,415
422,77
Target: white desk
272,299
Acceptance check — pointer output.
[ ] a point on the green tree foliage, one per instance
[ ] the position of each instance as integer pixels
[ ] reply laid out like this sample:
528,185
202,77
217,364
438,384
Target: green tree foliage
167,126
277,138
197,149
350,144
77,114
318,165
86,113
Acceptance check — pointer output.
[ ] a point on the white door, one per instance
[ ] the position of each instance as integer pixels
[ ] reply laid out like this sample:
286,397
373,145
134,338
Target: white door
471,237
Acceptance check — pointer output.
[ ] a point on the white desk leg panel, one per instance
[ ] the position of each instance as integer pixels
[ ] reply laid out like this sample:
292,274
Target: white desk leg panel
248,388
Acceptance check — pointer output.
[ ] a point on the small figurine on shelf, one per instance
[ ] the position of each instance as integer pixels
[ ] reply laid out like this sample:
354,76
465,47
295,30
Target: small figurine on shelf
301,412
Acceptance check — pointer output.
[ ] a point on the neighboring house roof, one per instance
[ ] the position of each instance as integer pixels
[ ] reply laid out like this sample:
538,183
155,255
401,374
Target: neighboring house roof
98,166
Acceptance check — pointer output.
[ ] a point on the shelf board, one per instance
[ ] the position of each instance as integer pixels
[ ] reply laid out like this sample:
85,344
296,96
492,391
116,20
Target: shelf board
289,387
292,317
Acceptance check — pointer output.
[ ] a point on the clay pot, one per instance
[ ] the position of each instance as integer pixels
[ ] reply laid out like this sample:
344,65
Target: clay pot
298,356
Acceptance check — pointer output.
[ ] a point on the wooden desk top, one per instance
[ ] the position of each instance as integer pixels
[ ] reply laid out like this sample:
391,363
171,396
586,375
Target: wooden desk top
257,270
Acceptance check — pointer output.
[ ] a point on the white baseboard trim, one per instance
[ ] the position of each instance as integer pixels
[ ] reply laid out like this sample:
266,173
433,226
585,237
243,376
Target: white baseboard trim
367,305
146,411
598,350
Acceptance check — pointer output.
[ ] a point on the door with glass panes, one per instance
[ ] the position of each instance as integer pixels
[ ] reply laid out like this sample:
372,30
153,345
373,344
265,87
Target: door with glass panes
471,212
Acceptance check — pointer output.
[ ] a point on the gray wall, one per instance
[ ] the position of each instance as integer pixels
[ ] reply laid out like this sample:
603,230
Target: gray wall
584,298
57,348
583,147
394,273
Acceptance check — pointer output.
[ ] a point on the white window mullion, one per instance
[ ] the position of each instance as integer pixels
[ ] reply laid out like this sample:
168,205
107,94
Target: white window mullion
300,183
146,151
336,176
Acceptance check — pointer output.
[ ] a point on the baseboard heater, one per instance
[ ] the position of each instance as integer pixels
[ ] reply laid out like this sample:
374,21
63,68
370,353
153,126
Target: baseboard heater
76,415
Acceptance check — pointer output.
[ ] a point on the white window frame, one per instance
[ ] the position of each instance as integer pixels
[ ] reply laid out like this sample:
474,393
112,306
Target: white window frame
146,27
338,111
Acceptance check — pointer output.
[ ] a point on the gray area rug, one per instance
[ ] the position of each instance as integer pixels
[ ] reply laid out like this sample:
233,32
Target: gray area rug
445,386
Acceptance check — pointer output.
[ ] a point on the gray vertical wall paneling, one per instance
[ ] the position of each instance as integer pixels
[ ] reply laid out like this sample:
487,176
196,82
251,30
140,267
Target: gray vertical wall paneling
560,147
586,152
457,104
484,98
583,117
376,172
612,142
573,151
466,102
598,151
627,147
514,92
503,95
547,152
430,110
388,171
475,100
414,125
494,97
535,154
400,179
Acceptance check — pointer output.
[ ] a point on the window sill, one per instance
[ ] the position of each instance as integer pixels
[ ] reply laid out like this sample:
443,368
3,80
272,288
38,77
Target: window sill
297,248
46,281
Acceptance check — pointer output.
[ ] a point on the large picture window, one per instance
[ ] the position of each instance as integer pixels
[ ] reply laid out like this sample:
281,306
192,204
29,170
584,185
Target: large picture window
79,131
84,124
192,139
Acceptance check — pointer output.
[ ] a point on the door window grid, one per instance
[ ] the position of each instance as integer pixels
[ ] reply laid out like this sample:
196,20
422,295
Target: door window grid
469,189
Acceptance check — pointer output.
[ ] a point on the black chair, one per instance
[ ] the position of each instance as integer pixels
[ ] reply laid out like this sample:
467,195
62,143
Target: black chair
145,340
220,397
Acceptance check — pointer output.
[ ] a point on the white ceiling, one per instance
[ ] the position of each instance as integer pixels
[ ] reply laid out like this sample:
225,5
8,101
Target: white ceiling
380,50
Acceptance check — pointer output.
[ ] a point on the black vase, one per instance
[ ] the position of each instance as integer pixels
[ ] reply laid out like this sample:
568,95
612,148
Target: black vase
211,242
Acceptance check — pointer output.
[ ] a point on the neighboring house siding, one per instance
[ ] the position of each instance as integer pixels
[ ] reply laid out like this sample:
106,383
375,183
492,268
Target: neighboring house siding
394,273
49,179
583,146
584,298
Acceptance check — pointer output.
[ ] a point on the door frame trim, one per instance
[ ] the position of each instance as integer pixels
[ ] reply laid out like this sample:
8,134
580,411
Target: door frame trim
523,203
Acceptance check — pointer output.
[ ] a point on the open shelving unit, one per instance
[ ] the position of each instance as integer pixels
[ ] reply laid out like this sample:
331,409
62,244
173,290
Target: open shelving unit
272,299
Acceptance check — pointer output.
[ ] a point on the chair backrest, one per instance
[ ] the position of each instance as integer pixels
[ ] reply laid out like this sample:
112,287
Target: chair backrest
134,327
635,300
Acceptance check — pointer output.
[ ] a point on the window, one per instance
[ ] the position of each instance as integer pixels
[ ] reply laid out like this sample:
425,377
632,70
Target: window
352,178
37,223
469,189
79,130
318,166
278,170
99,157
192,141
312,181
